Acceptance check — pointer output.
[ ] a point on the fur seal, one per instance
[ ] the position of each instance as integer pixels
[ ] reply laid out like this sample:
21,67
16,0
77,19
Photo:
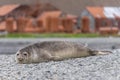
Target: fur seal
53,50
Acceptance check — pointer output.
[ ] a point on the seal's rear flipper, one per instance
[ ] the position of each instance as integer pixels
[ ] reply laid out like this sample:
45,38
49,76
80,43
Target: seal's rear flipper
104,52
95,52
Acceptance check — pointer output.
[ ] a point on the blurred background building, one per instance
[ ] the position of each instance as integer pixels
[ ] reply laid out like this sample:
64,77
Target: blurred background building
80,16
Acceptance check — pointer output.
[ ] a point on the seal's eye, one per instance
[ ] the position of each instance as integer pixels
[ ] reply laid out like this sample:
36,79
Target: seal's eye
25,54
17,54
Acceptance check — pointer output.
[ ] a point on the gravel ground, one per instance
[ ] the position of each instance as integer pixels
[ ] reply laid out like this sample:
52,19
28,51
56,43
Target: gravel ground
103,67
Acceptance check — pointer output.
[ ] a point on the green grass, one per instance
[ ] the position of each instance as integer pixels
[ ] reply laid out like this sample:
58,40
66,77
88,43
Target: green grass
49,35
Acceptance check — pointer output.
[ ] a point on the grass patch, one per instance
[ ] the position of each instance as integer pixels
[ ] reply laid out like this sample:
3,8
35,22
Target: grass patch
49,35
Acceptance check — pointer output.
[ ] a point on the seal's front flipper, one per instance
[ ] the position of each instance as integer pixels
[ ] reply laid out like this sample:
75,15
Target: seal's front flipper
47,56
56,58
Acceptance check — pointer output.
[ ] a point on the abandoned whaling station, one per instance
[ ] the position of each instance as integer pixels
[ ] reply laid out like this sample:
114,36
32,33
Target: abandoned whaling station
49,17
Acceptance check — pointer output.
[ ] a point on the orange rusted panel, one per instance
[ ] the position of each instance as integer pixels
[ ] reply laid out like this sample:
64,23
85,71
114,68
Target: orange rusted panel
29,23
97,23
61,28
2,26
85,25
48,24
108,30
21,24
33,30
68,24
39,23
10,25
54,24
45,17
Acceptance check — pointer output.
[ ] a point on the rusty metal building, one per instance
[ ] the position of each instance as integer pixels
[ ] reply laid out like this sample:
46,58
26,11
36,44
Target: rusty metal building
101,19
37,18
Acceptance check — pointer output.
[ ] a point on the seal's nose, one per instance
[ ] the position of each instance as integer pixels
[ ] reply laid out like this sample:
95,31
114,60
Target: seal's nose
20,59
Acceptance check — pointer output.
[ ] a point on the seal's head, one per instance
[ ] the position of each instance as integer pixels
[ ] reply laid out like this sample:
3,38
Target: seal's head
22,57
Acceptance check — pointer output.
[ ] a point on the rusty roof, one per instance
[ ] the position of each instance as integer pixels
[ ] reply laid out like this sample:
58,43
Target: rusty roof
96,11
47,14
27,10
112,12
50,14
5,9
104,12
